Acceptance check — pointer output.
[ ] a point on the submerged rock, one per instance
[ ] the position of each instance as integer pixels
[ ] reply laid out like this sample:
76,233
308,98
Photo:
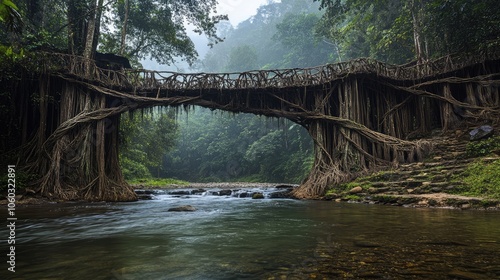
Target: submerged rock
183,208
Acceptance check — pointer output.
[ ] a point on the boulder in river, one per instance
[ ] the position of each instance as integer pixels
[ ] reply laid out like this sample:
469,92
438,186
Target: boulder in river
280,194
183,208
481,132
198,191
225,192
243,195
257,195
180,193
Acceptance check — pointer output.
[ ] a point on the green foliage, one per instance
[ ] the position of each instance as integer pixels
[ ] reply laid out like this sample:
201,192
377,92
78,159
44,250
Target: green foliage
461,25
145,140
397,31
296,33
242,58
134,165
10,56
480,179
137,29
157,29
157,182
350,185
225,147
368,29
10,16
23,179
483,147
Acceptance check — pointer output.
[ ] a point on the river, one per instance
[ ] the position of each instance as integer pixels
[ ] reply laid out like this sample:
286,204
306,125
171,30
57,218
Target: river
244,238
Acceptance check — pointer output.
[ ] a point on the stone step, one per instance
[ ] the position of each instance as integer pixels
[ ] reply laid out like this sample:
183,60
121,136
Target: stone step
410,184
431,176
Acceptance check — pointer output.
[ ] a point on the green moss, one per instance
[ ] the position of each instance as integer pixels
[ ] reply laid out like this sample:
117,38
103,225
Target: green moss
157,182
483,147
349,186
331,192
377,177
480,179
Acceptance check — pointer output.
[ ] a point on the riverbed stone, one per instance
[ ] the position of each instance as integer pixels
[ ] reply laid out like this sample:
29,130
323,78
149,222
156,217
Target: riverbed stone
183,208
257,195
243,195
225,192
180,193
280,194
198,191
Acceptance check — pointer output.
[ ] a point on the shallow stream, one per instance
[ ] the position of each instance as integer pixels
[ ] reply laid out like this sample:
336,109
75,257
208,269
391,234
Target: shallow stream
244,238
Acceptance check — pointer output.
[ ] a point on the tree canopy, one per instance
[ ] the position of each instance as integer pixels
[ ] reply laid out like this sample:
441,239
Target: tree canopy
398,31
134,28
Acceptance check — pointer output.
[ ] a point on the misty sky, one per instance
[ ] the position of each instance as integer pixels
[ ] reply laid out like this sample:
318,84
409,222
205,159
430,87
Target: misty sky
237,11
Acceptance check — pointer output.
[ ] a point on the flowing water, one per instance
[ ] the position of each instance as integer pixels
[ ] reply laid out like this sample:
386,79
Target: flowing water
244,238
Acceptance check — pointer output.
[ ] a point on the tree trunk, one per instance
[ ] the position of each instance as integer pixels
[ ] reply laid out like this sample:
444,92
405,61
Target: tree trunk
97,29
77,27
124,28
416,12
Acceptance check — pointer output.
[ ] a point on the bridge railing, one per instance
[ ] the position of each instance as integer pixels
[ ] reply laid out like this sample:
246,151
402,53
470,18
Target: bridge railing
280,78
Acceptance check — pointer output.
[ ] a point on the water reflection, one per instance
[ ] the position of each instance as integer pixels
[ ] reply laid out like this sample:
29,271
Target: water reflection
235,238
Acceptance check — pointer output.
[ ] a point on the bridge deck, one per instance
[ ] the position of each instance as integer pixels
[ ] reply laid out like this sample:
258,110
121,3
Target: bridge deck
147,80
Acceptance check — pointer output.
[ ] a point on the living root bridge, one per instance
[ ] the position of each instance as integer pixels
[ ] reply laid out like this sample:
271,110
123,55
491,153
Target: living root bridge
362,115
